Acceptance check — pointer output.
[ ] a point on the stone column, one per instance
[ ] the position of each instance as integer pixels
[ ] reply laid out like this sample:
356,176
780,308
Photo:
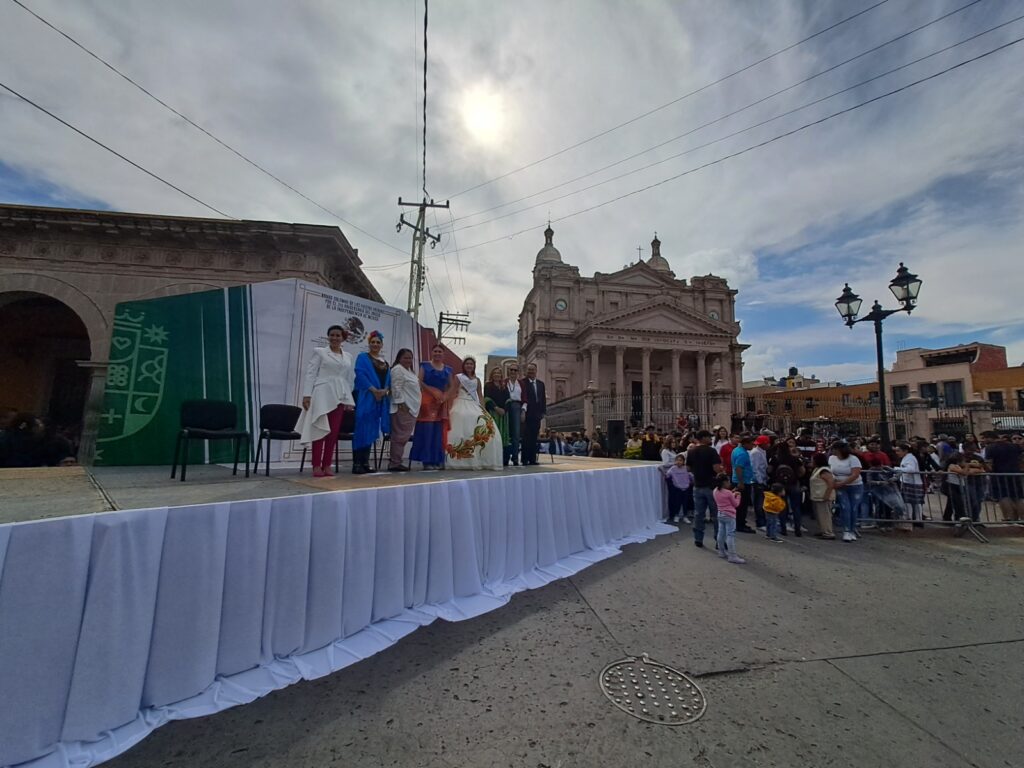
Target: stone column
620,382
737,370
677,389
595,366
720,405
979,415
93,408
588,408
702,373
647,385
540,358
918,423
702,389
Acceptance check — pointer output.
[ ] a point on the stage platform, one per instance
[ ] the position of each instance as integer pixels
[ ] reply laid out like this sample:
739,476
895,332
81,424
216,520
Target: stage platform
45,492
211,593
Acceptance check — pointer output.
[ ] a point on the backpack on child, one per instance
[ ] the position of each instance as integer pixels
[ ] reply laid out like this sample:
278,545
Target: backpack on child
818,487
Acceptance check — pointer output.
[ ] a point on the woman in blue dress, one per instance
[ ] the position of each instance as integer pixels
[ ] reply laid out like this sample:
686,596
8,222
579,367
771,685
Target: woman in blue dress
435,383
373,406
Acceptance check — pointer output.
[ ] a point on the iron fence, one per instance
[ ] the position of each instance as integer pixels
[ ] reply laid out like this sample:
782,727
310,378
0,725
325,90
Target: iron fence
968,502
565,415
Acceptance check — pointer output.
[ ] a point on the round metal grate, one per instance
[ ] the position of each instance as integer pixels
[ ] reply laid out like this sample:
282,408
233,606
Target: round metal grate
649,690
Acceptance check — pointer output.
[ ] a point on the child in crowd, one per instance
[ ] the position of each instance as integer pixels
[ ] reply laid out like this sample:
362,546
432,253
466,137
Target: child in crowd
680,485
728,502
774,506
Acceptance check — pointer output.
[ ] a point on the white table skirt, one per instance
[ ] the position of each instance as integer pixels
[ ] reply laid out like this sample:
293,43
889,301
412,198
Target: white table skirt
113,624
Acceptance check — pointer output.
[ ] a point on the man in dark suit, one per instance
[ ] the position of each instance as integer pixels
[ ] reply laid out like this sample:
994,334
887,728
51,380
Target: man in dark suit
535,404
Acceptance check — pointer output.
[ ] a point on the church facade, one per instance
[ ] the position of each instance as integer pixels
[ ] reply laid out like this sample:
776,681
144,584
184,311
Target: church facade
651,345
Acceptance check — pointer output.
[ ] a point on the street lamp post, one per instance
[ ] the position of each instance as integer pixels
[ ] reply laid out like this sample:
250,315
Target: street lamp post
905,287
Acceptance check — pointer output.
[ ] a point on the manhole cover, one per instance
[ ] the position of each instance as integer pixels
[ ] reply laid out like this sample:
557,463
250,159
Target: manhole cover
651,691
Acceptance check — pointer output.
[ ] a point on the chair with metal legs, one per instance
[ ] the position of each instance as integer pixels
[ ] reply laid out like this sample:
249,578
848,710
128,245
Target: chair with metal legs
209,420
277,422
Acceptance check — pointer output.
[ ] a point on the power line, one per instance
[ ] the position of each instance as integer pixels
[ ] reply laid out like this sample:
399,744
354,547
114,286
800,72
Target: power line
729,114
458,261
114,152
755,146
200,128
425,193
737,132
444,256
670,103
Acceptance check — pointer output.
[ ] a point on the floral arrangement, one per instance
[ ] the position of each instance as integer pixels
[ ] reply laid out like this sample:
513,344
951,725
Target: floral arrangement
482,434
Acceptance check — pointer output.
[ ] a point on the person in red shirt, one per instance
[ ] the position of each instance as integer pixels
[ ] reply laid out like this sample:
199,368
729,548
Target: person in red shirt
874,456
725,452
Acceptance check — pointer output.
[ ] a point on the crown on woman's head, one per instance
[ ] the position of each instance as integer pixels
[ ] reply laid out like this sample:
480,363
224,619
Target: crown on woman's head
375,335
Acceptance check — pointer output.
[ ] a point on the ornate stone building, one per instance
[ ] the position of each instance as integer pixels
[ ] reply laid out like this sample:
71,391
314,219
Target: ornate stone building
656,345
62,272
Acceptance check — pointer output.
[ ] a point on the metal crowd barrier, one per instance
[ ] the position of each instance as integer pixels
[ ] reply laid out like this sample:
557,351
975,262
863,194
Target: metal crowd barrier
966,503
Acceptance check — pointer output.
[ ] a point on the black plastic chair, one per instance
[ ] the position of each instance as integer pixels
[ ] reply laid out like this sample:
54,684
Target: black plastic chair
209,420
277,422
345,435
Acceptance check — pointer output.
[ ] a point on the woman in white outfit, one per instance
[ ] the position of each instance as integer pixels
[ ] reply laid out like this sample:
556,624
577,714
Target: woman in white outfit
405,406
473,438
326,392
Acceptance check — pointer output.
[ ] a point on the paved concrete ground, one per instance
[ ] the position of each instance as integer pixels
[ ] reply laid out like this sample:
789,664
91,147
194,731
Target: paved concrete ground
889,652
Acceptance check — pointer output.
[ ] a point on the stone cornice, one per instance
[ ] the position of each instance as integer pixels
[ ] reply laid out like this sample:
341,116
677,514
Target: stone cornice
102,241
607,319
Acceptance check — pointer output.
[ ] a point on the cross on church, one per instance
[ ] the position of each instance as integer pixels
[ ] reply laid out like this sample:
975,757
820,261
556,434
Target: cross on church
639,252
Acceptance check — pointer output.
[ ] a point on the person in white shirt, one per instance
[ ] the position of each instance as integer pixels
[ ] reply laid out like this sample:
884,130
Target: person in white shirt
405,407
514,409
845,469
326,392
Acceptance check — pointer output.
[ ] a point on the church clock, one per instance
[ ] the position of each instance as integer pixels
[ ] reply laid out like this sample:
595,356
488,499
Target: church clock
561,305
713,314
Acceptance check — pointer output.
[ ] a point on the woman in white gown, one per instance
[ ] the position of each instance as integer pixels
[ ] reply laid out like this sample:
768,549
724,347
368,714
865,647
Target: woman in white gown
473,440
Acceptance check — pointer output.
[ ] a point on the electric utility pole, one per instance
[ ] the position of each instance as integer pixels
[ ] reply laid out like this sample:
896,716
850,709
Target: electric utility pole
420,235
451,323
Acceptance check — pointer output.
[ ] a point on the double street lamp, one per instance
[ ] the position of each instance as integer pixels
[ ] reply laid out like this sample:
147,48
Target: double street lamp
905,287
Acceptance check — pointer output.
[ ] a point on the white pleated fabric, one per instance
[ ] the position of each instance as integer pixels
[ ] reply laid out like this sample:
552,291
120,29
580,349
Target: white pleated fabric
114,624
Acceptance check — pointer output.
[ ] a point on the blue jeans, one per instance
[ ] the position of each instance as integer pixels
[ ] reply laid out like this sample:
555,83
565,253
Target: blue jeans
726,535
704,506
850,498
772,521
794,503
513,411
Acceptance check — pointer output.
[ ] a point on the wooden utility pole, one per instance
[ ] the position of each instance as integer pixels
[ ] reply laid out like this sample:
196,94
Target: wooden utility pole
420,235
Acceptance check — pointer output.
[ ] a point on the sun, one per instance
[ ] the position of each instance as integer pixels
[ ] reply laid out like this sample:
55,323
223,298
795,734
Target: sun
483,114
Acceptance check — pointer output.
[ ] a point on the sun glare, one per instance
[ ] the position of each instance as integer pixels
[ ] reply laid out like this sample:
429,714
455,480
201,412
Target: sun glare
483,115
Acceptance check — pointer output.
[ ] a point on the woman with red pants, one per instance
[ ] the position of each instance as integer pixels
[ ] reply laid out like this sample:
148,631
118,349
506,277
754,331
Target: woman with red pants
326,392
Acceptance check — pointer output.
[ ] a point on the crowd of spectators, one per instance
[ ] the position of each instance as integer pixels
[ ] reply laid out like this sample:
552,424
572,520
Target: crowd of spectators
28,441
843,486
575,443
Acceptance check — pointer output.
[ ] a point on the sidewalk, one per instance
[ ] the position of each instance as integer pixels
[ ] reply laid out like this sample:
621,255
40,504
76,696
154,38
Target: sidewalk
885,652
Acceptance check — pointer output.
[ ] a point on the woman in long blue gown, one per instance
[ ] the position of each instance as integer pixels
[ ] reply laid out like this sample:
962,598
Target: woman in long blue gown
373,404
428,439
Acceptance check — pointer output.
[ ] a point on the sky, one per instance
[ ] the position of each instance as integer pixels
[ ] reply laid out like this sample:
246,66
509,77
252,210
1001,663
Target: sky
328,96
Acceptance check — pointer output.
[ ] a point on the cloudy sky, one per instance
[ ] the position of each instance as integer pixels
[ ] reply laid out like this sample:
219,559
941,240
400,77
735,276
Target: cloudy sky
327,95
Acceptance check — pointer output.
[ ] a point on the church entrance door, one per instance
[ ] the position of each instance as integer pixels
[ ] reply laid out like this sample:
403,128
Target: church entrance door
637,403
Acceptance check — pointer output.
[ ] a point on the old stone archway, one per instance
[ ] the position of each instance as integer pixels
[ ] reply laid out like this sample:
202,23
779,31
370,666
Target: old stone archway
53,352
42,342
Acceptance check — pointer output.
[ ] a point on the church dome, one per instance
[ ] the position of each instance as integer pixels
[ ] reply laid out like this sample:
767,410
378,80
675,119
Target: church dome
549,254
657,261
